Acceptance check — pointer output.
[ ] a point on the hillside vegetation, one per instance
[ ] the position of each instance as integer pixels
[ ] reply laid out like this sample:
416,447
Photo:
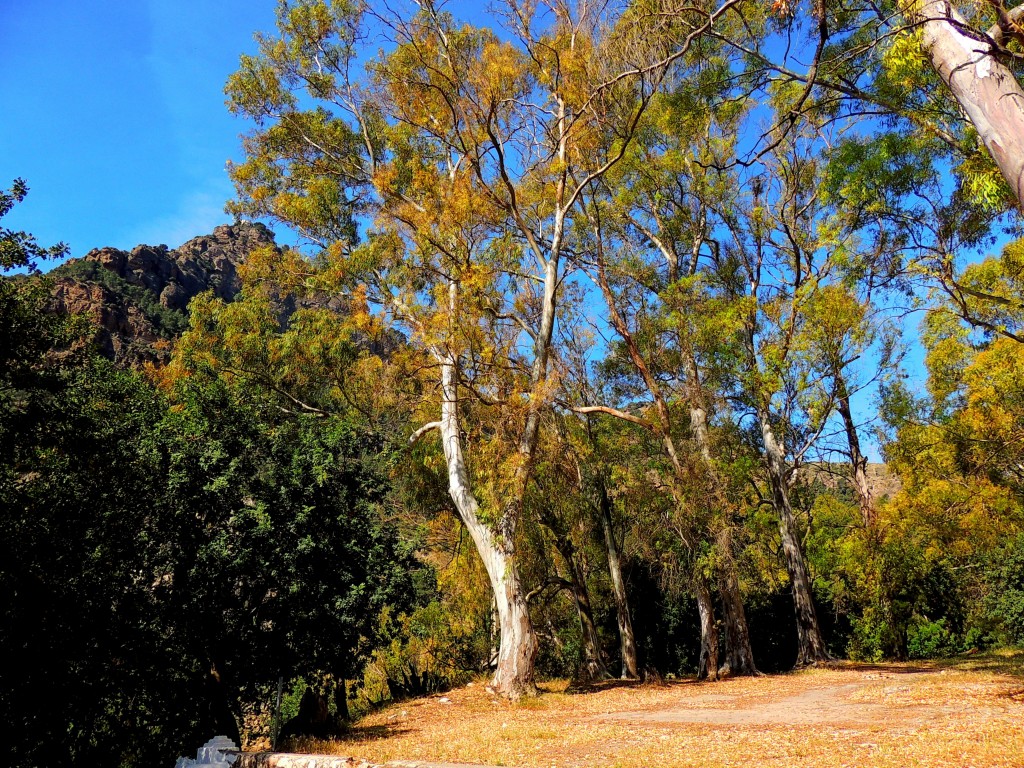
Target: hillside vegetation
581,368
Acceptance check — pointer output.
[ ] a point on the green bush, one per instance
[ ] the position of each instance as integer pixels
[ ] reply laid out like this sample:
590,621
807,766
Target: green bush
930,639
1005,603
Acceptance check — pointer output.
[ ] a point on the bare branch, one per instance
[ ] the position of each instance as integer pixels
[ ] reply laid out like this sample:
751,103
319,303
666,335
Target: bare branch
428,427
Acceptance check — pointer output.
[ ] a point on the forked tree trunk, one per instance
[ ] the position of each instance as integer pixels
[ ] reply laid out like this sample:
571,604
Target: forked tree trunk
810,644
517,649
707,667
594,667
858,461
627,641
739,658
982,85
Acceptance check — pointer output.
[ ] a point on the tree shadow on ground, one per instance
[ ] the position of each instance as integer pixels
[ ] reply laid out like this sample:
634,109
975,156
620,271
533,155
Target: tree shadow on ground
357,734
577,687
1008,662
1016,695
881,667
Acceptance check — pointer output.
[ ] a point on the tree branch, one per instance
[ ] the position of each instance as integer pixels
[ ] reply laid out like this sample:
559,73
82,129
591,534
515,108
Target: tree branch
428,427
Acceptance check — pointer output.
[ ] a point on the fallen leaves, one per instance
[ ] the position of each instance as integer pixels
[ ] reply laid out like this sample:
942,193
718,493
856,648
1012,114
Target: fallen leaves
946,714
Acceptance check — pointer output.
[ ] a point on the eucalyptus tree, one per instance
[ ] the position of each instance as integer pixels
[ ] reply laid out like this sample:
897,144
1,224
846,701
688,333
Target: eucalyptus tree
594,447
463,155
650,229
948,72
796,271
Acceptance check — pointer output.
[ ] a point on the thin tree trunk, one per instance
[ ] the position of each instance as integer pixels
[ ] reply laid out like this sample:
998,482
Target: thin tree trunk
517,649
810,644
492,659
858,461
627,641
707,667
219,701
341,704
982,85
594,667
739,657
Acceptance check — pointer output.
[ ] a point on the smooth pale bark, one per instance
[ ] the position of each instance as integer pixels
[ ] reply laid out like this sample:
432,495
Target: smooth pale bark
699,426
858,461
707,667
517,648
810,644
627,640
739,657
986,90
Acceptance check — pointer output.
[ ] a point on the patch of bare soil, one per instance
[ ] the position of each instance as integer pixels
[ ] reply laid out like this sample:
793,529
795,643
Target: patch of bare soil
959,713
832,704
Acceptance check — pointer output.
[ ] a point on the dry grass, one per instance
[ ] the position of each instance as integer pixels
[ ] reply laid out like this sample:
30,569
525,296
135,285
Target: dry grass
965,712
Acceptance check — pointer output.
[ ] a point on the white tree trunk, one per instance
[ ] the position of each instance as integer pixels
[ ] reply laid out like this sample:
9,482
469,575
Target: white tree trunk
707,666
983,86
517,649
627,641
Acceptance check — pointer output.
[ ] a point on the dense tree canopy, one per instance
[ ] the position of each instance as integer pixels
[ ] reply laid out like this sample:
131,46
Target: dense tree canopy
584,362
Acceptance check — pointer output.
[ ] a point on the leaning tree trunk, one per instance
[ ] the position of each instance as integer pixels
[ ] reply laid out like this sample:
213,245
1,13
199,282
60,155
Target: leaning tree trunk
810,644
739,657
517,648
858,461
627,641
707,667
594,667
982,85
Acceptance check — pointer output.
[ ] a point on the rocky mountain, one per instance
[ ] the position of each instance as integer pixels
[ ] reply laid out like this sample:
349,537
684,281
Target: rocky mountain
138,300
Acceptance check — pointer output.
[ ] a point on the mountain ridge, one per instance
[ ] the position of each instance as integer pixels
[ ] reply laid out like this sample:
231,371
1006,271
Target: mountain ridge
138,300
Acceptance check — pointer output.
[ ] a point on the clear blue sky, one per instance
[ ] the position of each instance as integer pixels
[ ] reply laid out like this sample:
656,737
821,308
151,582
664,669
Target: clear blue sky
113,112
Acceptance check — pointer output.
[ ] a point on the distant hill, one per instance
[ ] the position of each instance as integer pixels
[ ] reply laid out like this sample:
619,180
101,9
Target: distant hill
138,300
884,483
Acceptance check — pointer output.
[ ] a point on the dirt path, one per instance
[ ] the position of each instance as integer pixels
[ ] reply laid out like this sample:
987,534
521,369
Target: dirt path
833,704
962,713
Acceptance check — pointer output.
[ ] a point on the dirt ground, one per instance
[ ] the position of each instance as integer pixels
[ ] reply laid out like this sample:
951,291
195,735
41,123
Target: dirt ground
964,712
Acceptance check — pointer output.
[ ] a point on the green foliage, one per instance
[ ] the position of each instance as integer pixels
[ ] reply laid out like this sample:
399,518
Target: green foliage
20,249
1005,600
421,652
931,639
165,562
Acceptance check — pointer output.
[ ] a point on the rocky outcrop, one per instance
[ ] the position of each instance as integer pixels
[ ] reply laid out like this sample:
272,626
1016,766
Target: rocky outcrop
138,300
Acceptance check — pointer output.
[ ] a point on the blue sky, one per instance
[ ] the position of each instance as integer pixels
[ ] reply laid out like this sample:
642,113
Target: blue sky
114,114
